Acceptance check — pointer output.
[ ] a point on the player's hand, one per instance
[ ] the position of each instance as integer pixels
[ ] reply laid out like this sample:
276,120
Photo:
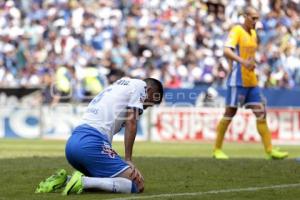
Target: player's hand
249,64
135,174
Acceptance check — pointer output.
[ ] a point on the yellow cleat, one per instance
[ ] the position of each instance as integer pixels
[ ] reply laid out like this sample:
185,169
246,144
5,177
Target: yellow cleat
75,185
219,154
52,183
276,154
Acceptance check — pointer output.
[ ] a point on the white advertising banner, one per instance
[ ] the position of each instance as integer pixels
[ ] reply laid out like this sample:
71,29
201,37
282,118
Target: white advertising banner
163,124
199,124
49,122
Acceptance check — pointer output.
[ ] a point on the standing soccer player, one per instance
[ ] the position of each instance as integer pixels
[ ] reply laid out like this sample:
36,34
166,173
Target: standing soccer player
89,148
242,88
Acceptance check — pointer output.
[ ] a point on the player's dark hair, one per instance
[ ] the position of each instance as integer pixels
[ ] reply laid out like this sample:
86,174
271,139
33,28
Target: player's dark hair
157,87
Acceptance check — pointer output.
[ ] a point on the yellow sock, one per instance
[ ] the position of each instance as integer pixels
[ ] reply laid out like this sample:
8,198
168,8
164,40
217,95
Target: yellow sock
221,130
265,134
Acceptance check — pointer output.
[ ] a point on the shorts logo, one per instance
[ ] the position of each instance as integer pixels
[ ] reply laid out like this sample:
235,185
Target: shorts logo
106,149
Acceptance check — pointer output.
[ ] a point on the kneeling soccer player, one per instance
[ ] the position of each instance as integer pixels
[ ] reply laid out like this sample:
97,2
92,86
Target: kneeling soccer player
89,148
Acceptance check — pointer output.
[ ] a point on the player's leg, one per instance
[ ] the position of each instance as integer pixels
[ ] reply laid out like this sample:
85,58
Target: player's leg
60,178
256,102
232,101
101,165
221,130
123,183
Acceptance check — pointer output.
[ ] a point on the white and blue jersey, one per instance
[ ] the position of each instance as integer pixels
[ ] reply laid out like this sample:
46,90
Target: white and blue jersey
107,111
89,148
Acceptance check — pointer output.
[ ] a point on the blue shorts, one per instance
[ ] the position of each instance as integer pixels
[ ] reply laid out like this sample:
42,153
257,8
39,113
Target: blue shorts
90,152
240,96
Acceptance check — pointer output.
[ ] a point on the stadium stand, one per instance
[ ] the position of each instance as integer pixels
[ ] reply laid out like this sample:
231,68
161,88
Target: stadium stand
89,44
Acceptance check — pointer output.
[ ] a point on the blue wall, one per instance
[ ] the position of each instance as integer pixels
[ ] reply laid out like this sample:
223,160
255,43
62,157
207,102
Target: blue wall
275,97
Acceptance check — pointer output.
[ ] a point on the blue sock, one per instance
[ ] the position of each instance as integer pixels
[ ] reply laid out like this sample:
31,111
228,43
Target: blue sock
134,188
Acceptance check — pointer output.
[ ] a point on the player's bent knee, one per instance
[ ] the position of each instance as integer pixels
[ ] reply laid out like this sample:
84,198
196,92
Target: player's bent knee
260,115
230,112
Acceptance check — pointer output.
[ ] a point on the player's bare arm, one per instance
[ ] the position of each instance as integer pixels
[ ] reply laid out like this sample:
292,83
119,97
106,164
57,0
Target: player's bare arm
130,134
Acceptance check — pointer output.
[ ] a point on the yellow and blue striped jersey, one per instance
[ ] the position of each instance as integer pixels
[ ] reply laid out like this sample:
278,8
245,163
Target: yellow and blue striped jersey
245,45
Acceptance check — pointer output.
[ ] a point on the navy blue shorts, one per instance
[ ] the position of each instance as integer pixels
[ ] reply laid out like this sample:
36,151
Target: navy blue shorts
90,152
240,96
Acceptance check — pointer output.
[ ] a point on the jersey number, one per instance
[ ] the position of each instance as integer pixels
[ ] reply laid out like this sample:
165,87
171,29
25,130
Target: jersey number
100,96
122,82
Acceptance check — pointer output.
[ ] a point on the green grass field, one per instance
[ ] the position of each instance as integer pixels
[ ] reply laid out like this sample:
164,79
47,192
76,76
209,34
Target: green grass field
171,170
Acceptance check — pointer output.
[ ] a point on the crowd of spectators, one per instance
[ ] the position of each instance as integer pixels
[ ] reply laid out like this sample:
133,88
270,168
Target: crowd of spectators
83,45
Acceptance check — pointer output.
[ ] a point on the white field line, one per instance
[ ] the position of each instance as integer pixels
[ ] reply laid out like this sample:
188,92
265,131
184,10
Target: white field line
249,189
